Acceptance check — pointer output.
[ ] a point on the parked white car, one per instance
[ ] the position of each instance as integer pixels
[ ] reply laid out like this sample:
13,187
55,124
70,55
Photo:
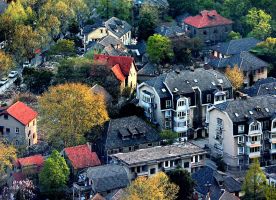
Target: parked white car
13,74
3,81
26,64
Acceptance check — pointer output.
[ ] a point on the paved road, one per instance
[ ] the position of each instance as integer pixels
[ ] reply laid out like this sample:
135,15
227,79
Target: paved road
10,82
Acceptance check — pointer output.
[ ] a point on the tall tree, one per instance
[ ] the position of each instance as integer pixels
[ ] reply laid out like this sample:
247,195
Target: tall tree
255,182
148,20
69,111
183,179
235,76
6,63
63,47
7,155
159,49
259,21
157,187
55,174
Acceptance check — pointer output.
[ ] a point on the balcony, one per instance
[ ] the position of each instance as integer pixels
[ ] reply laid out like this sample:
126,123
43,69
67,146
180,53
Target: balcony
272,138
197,164
182,108
146,173
180,119
254,154
180,129
272,151
253,144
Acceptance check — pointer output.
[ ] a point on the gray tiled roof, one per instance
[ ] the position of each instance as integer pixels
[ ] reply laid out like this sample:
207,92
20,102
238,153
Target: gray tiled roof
117,27
108,177
245,60
158,153
170,30
114,140
3,6
243,106
236,46
89,28
110,40
158,3
262,87
149,69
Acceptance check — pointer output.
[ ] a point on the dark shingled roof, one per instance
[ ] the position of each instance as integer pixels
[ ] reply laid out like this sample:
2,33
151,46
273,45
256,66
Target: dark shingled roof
89,28
158,3
236,46
245,60
243,106
125,125
170,30
117,27
185,80
108,177
262,87
149,69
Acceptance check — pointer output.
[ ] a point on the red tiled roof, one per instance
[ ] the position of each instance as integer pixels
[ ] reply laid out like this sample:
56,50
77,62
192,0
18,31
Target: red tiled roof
81,157
207,19
37,160
22,112
118,73
123,61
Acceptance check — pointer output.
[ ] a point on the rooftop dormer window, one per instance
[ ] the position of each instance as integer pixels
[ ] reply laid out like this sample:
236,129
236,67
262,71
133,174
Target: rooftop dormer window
254,127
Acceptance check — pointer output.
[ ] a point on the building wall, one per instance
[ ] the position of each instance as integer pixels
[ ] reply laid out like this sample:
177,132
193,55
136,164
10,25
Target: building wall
21,138
216,33
228,145
132,77
96,34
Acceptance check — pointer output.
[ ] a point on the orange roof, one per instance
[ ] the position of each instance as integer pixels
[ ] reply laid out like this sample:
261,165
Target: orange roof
82,157
21,112
118,73
31,160
207,19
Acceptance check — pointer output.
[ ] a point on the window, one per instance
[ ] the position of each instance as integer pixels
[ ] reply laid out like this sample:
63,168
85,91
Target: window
227,94
205,32
186,164
166,164
189,101
16,142
149,144
274,124
181,114
181,103
254,127
132,169
241,129
240,150
8,130
168,103
219,122
196,158
152,171
265,125
254,149
215,31
146,99
34,123
130,148
254,138
240,139
16,130
167,124
201,157
6,116
101,30
209,98
226,29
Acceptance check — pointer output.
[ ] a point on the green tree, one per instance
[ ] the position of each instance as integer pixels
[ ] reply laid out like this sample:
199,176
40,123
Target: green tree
69,111
63,47
255,182
6,63
148,20
270,192
7,155
159,49
55,174
259,21
234,35
168,136
183,179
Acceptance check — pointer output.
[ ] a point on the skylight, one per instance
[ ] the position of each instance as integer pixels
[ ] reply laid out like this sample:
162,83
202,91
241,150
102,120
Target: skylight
213,83
250,112
266,109
220,81
236,114
163,90
195,80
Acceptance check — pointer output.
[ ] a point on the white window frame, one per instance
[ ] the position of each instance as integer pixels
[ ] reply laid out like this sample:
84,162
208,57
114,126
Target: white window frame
241,129
170,124
181,114
209,98
273,123
181,103
167,166
240,152
242,139
168,103
17,130
254,127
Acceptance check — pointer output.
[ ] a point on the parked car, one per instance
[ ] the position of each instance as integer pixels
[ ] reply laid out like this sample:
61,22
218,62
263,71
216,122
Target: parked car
13,74
3,81
26,64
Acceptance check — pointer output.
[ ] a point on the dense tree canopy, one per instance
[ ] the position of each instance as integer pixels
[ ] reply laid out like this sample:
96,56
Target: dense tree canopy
6,63
235,76
159,49
69,111
157,187
55,173
7,155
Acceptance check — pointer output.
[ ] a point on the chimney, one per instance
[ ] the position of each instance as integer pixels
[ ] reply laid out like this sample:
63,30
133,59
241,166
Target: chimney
89,146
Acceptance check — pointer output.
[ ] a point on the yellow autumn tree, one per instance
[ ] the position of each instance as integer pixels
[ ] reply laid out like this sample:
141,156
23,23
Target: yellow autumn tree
7,155
235,76
69,111
6,63
157,187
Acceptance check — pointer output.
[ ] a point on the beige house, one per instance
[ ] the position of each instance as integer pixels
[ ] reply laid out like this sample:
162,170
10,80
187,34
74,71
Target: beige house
123,67
244,129
149,161
115,27
18,124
